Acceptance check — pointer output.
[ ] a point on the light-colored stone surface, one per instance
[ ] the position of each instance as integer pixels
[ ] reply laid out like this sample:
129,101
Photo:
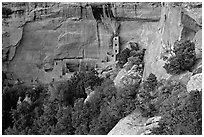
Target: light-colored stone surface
90,95
198,44
195,83
128,78
168,32
14,31
117,79
130,125
153,120
135,124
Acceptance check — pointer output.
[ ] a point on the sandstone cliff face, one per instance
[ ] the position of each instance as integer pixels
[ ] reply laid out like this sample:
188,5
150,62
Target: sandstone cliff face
53,31
176,23
44,32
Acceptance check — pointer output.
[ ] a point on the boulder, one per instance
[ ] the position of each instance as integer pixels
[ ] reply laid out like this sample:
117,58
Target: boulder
130,125
135,124
195,83
128,78
117,79
153,120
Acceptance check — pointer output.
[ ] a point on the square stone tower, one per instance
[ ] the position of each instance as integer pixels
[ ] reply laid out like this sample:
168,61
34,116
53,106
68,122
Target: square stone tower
115,47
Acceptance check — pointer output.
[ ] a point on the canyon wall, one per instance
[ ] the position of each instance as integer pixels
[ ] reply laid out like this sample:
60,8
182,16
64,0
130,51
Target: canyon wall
38,35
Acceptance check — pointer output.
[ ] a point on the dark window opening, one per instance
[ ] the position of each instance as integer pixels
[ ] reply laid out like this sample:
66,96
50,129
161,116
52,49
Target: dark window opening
72,67
63,70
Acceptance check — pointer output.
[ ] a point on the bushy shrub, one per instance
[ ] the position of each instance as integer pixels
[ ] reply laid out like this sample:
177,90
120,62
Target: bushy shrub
134,56
135,60
151,82
146,95
123,57
134,46
184,58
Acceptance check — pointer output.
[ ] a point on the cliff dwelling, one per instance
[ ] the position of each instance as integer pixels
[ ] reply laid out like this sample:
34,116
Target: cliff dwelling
61,38
102,68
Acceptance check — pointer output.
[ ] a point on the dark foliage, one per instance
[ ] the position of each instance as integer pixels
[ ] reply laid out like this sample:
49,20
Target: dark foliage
135,56
184,58
134,46
181,111
10,98
184,117
108,106
43,116
123,57
151,82
146,94
6,11
90,118
75,87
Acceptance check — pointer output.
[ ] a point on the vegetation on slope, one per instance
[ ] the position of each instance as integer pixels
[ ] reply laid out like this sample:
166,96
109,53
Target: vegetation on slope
102,113
184,58
69,114
181,116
